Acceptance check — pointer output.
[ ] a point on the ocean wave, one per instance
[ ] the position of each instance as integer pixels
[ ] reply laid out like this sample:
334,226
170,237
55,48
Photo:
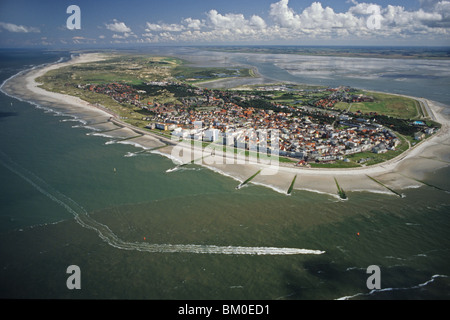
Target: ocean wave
173,169
222,173
137,153
39,225
130,154
75,119
376,291
355,268
27,69
383,192
412,187
35,104
87,127
321,192
182,168
175,160
59,113
135,144
47,109
99,134
395,258
274,188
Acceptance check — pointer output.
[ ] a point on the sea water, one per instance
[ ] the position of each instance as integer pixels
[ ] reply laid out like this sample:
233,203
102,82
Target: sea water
55,169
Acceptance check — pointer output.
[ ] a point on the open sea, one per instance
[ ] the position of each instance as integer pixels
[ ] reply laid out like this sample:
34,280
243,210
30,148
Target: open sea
53,168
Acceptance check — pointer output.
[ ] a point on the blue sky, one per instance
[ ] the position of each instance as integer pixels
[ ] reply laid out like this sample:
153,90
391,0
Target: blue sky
31,23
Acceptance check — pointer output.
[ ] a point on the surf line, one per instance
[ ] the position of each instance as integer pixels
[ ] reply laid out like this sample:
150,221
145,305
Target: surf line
106,234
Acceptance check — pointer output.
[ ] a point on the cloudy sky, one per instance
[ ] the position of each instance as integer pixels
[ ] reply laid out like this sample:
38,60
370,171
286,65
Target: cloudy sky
43,23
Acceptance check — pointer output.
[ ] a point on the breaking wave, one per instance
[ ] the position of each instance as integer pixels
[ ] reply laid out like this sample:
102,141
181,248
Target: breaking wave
175,160
375,291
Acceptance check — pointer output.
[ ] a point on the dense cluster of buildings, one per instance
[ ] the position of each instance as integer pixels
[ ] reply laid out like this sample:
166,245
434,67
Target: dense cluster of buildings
285,131
296,135
122,93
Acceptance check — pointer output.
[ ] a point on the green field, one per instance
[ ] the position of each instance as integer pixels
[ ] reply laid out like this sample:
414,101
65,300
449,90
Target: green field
337,164
385,104
194,75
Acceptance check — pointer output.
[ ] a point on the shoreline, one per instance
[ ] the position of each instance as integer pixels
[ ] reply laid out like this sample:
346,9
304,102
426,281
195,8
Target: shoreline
399,173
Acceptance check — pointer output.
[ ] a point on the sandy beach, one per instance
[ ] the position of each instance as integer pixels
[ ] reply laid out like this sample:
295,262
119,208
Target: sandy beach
399,173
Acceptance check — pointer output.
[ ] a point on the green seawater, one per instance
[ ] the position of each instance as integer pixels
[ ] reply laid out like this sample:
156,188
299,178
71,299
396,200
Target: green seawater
50,165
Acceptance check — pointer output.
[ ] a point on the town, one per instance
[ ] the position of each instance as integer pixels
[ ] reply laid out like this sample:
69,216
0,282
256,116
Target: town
248,120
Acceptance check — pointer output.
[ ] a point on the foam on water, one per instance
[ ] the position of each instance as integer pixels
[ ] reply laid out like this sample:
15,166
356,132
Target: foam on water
180,168
174,159
384,192
132,154
375,291
82,217
173,169
222,173
87,127
274,188
135,144
75,119
321,192
98,134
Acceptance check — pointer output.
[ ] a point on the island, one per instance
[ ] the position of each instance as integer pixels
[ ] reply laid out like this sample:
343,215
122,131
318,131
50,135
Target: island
328,140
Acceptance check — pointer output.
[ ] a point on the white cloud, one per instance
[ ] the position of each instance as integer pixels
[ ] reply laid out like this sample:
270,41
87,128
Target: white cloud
230,20
394,20
195,24
18,28
258,22
284,16
164,27
442,8
118,36
216,27
312,23
83,40
316,17
233,27
364,8
117,26
150,37
122,32
234,22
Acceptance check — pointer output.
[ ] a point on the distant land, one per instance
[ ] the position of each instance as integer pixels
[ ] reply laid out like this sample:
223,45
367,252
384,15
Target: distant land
344,51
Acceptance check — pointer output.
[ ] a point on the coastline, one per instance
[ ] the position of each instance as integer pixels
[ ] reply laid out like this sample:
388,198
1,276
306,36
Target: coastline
399,173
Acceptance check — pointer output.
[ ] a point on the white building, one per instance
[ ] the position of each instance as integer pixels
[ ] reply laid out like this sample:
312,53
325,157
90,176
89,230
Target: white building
181,133
165,126
211,135
198,124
